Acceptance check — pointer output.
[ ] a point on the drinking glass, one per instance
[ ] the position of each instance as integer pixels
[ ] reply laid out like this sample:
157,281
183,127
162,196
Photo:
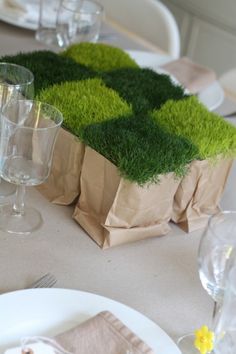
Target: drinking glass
214,261
29,130
46,31
225,332
16,82
78,21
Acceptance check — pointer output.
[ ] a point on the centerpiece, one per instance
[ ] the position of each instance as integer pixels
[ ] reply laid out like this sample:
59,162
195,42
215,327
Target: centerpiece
135,150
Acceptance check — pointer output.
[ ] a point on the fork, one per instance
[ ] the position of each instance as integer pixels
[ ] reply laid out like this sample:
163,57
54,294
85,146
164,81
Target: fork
46,281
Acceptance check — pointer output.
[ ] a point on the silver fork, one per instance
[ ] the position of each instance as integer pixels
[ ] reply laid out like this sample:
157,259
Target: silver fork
46,281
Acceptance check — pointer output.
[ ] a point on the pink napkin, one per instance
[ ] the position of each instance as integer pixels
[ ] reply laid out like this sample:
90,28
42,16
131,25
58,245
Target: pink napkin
191,75
102,334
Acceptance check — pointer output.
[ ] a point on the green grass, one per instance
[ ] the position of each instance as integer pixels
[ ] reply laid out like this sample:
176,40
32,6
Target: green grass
49,68
85,102
143,88
99,57
140,148
208,131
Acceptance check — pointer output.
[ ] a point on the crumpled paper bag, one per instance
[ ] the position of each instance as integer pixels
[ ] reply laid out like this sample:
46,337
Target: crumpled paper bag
114,211
63,184
199,193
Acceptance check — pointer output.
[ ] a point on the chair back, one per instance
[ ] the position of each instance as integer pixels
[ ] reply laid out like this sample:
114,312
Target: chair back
149,19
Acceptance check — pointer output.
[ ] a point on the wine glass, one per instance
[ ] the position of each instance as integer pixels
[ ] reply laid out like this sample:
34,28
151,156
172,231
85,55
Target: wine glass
28,133
225,331
214,261
16,82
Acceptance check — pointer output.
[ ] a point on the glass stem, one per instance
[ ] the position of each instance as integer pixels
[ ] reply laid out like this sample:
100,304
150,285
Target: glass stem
19,204
216,311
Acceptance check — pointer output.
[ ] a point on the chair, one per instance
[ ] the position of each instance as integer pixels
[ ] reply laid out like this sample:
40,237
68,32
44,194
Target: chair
149,19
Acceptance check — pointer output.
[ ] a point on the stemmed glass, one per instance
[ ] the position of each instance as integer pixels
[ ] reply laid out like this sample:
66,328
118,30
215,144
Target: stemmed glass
16,82
225,342
214,261
28,133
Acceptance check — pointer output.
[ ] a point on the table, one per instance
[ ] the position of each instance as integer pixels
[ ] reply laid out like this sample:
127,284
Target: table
14,39
158,276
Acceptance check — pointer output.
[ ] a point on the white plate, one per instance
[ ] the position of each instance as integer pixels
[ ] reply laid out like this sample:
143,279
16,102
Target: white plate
211,97
12,17
52,311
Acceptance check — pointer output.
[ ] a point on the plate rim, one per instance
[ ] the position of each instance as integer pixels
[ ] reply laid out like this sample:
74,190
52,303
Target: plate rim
12,19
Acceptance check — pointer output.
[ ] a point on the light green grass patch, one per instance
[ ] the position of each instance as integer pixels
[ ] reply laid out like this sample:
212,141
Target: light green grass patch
85,102
208,131
99,56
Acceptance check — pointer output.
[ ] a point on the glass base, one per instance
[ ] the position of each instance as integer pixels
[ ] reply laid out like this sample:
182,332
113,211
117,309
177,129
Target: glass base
47,36
14,223
6,189
186,344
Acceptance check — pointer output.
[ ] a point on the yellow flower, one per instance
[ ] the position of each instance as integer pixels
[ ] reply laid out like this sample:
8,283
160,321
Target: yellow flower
204,340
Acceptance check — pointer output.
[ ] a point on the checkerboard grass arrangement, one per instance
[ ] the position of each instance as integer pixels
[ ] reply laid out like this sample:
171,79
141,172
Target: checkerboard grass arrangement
138,119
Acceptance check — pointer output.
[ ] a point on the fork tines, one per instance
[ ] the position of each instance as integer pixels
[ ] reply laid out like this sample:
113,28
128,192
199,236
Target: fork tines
46,281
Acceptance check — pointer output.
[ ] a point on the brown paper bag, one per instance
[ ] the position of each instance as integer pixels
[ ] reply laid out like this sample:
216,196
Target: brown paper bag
114,211
199,193
63,183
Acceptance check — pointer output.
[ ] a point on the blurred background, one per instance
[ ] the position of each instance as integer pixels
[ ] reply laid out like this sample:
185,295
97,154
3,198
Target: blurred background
207,30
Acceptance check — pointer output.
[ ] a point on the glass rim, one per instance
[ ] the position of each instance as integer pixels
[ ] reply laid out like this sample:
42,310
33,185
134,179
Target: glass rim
57,124
83,11
214,217
28,82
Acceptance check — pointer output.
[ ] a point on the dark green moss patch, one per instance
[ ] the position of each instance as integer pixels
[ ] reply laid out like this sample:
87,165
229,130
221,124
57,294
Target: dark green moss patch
50,68
139,148
143,88
85,102
98,56
208,131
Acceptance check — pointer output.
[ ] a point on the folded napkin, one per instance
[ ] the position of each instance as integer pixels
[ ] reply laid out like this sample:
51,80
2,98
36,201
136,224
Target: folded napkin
102,334
192,76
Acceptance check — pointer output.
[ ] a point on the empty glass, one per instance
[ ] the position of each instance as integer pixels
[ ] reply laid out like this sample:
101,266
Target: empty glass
225,342
16,82
78,22
46,31
214,261
29,130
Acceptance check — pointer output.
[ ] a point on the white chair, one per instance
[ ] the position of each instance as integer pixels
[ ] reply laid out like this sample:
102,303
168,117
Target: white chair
149,19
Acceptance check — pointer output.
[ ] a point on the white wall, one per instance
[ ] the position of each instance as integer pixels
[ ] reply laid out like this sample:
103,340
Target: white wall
208,31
